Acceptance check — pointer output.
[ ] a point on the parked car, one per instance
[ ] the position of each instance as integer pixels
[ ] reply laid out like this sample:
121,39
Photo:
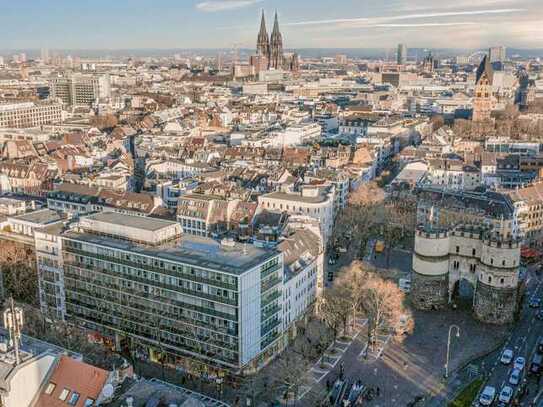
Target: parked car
540,346
507,356
535,303
514,379
487,396
535,366
506,394
519,364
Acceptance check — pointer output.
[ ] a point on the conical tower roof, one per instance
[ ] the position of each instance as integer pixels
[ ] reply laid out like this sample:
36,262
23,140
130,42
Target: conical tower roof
263,33
276,33
485,68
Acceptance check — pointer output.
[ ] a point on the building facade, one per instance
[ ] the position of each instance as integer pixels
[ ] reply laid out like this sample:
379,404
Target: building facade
81,90
144,289
29,114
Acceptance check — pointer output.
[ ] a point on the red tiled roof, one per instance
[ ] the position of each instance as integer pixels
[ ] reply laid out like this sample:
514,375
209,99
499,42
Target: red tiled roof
75,376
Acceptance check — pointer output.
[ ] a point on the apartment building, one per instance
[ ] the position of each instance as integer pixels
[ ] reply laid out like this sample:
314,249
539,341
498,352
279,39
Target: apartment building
453,174
528,212
315,202
81,90
29,114
144,288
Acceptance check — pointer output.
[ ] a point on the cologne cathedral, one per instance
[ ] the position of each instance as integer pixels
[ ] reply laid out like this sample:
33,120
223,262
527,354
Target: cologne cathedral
269,50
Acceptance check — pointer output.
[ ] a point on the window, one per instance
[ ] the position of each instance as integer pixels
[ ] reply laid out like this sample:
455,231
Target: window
89,403
64,394
457,249
473,252
73,399
50,388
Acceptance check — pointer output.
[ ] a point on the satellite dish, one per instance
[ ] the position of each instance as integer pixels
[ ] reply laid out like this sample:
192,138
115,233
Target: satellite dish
108,391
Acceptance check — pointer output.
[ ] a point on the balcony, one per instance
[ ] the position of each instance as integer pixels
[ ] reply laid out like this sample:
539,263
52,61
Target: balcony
269,340
270,312
136,296
266,285
270,297
154,283
266,272
269,326
115,260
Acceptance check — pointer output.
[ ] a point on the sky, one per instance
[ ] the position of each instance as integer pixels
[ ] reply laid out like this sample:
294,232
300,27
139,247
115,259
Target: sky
131,24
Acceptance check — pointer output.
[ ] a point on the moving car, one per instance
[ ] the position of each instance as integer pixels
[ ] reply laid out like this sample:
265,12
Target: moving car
514,379
507,356
487,396
506,394
519,364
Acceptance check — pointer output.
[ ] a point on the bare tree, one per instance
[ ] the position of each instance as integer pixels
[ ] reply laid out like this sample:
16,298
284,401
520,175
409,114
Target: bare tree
291,374
380,300
105,121
335,309
18,267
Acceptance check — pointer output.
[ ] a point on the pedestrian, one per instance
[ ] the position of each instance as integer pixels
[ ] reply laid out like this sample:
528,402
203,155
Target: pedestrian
327,385
378,391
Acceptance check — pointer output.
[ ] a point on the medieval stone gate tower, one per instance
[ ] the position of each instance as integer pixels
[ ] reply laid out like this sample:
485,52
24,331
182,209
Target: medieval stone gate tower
484,259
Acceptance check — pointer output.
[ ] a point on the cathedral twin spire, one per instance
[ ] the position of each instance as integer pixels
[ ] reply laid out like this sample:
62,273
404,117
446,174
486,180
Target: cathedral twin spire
270,47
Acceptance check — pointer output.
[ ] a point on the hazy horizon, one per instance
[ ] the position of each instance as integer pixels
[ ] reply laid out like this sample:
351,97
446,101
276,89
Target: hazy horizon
216,24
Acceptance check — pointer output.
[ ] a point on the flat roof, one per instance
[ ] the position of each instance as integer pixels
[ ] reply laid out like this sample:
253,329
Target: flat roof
41,216
191,250
138,222
283,196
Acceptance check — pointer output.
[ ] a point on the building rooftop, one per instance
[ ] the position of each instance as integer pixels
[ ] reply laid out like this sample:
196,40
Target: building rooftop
138,222
41,217
227,256
283,196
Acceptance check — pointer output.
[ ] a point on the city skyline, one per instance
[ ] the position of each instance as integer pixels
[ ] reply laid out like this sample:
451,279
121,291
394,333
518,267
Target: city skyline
227,23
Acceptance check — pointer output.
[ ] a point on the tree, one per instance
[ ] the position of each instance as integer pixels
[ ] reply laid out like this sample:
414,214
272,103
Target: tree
18,267
105,121
381,301
335,307
291,374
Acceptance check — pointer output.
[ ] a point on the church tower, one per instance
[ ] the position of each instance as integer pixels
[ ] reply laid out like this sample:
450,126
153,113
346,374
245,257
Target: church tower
263,42
276,46
482,102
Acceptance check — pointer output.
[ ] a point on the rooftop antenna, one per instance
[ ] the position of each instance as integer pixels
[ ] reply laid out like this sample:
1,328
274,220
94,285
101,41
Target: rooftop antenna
13,322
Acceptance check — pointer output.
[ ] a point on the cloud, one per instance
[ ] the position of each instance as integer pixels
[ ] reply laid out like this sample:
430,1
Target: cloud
423,25
213,6
379,20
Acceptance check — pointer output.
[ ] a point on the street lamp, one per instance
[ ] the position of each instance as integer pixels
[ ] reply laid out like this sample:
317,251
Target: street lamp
449,347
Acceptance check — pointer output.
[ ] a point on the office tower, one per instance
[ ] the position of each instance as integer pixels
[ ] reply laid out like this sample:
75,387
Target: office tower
44,55
401,57
137,282
81,90
497,54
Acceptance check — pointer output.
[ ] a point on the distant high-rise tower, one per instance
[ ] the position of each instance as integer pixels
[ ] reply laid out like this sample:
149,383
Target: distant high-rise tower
497,54
401,57
482,102
276,46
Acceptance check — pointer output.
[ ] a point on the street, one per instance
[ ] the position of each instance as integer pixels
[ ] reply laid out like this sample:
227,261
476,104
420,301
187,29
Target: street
523,342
